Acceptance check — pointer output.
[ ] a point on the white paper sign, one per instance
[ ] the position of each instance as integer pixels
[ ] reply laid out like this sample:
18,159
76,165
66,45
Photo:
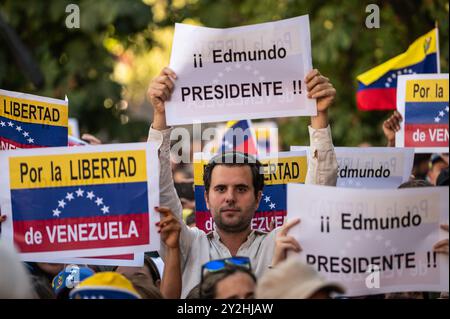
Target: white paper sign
129,260
371,167
345,232
80,202
240,73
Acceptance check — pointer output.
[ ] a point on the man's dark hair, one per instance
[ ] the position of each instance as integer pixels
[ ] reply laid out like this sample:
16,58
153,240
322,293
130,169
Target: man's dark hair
209,284
235,159
416,183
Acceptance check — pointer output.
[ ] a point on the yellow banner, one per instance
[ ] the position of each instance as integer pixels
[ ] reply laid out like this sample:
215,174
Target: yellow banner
77,169
31,111
276,171
433,90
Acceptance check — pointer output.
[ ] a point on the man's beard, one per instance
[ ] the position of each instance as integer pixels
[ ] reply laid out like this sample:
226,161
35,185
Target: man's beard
241,225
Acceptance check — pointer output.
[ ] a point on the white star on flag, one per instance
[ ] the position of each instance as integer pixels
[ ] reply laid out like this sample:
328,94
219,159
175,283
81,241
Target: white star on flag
18,128
11,124
446,109
105,209
69,196
79,192
2,123
30,140
61,203
441,113
99,201
267,199
272,205
56,212
25,134
90,195
437,119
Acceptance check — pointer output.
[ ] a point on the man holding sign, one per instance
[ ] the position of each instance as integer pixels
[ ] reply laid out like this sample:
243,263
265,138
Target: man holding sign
235,189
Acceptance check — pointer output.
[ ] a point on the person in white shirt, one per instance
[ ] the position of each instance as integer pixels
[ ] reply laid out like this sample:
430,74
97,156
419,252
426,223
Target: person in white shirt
232,197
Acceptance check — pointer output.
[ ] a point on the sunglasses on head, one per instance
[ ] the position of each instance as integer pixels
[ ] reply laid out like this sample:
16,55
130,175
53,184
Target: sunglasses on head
220,264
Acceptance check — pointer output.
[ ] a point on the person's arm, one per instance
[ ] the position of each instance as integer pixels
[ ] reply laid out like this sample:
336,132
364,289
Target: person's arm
442,245
159,92
322,163
169,227
391,126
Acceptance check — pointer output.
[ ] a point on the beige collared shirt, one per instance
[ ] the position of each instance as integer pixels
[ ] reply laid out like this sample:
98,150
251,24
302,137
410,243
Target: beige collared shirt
197,247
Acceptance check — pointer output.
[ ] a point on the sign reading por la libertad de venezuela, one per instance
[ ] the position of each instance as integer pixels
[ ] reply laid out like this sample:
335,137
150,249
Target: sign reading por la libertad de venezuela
240,73
30,121
80,202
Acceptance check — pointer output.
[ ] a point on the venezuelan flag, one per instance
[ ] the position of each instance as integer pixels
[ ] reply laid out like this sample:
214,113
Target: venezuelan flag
100,200
239,137
31,121
377,88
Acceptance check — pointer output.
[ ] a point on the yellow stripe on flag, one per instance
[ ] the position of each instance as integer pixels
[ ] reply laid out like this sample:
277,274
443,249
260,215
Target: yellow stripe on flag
417,52
77,169
432,90
231,123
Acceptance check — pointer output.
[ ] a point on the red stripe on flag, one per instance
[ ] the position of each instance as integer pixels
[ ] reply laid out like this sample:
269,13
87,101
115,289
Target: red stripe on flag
81,233
426,135
248,147
262,221
7,144
376,99
121,257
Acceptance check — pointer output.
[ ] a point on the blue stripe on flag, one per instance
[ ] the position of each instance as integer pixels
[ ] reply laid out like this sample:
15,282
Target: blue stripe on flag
93,200
33,134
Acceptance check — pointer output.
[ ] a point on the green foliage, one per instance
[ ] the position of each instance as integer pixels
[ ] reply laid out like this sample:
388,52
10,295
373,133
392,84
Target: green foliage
74,61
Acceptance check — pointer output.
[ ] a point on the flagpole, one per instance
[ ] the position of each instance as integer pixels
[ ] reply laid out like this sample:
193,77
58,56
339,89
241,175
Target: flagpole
438,60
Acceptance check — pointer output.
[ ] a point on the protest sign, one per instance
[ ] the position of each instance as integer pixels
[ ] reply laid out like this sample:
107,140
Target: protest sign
279,169
422,100
81,201
371,167
372,241
30,121
240,73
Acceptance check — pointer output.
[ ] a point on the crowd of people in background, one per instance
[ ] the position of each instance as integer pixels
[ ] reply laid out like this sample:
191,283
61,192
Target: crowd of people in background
233,261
